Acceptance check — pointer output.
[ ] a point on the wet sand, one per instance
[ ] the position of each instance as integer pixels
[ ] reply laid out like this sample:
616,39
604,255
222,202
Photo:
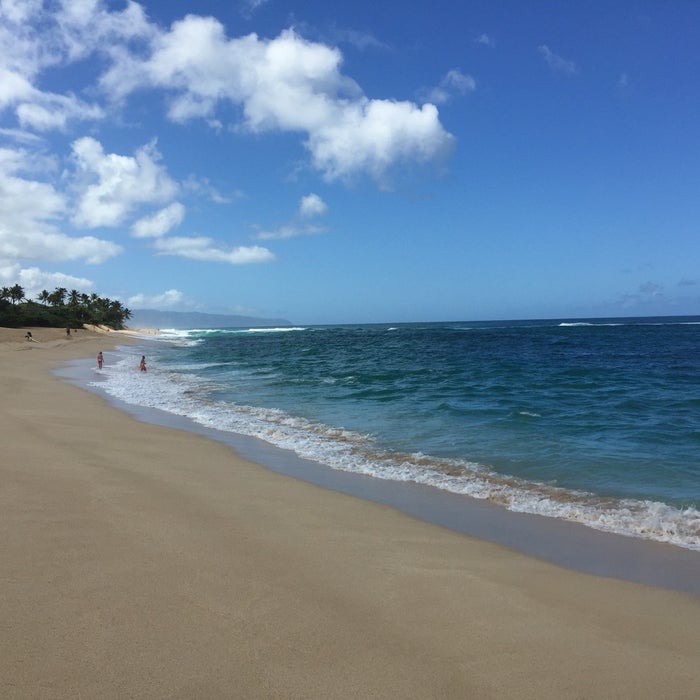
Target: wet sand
145,561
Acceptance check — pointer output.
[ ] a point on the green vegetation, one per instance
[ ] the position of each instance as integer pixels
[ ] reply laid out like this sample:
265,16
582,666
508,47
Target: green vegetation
59,309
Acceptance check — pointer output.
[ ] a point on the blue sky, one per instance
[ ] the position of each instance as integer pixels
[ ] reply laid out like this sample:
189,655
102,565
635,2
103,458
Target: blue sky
332,163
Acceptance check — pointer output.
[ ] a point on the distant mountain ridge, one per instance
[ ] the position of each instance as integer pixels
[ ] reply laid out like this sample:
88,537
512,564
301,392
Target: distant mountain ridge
152,318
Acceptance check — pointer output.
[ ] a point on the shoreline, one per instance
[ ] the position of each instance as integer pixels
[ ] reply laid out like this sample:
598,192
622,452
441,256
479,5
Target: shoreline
560,542
149,561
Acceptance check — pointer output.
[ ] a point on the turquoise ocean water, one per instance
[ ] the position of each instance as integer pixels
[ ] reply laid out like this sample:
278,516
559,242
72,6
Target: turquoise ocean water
596,422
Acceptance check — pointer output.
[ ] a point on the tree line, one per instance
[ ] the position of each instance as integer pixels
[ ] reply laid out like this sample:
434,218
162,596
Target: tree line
60,308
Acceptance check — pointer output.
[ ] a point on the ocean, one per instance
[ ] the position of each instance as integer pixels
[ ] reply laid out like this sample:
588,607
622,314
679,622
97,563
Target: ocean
595,422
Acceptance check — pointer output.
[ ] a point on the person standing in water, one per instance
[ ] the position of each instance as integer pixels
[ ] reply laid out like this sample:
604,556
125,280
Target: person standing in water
142,366
99,359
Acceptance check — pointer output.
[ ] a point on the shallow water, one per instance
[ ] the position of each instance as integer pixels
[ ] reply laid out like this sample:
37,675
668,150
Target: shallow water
596,423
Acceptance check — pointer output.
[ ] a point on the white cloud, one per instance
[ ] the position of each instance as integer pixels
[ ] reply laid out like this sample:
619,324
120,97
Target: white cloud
372,135
312,205
250,6
13,87
360,40
28,210
84,26
289,231
205,249
172,298
454,81
485,40
113,186
52,245
16,11
35,35
556,63
203,187
160,223
34,280
288,84
48,111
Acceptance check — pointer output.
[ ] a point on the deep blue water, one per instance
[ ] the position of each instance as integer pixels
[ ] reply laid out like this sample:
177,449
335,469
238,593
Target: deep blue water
597,422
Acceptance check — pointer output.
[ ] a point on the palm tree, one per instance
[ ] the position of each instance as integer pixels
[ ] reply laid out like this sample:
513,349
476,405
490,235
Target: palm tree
43,297
73,297
58,296
16,294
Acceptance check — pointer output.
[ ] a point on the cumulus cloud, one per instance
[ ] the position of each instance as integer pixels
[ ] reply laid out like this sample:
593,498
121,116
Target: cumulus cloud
372,135
555,62
171,298
160,223
34,280
113,186
205,249
29,212
312,205
285,83
281,84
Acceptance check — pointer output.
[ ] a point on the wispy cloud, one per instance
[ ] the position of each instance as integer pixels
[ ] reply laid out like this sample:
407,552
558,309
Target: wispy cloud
556,62
485,40
651,289
207,250
361,40
158,224
452,83
250,7
311,206
290,231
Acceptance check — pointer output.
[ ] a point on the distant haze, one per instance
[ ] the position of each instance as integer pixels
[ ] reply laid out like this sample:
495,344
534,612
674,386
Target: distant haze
151,318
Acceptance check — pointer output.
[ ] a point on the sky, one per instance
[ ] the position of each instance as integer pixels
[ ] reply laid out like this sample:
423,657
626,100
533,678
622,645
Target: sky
352,163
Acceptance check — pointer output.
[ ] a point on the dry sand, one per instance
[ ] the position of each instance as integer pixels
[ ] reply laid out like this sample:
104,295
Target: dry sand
146,562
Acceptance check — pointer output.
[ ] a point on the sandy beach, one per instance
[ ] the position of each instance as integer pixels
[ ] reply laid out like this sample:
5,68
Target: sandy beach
147,562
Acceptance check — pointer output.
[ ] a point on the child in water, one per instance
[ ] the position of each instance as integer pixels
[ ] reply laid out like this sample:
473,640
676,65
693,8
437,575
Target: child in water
99,359
142,366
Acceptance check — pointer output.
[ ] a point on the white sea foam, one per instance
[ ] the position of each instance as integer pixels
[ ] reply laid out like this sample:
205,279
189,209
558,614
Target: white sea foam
585,323
345,450
282,329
